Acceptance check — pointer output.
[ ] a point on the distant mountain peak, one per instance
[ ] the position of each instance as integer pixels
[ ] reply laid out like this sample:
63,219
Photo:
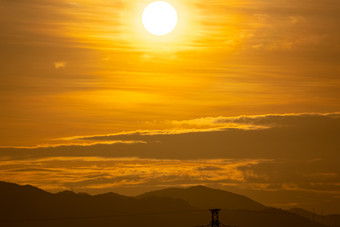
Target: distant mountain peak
198,186
206,198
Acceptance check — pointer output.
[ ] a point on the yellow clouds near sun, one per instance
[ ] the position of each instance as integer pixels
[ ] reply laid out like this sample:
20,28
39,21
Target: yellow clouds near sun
118,25
184,32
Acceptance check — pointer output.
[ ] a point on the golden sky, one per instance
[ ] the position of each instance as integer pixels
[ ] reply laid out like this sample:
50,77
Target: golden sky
87,93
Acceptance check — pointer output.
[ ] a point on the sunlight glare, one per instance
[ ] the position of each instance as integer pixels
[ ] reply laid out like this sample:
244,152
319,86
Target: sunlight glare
159,18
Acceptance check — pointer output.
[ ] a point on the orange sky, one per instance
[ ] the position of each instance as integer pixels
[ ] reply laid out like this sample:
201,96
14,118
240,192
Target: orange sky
86,73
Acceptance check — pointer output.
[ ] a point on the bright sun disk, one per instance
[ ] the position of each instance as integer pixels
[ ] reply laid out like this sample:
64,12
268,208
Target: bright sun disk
159,18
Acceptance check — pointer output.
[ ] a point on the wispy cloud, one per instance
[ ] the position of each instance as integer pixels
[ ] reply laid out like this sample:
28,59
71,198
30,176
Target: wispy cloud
79,143
214,124
89,173
188,127
60,64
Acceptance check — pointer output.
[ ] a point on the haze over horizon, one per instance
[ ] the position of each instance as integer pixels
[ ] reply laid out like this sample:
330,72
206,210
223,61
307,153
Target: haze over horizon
242,96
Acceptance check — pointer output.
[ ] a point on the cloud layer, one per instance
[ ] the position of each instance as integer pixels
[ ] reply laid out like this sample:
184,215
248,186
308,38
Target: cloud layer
289,156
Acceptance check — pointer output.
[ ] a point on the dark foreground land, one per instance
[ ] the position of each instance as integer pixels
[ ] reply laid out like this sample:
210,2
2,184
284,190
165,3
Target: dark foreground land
30,206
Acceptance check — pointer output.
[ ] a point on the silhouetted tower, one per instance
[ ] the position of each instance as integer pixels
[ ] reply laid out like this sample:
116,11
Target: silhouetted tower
215,222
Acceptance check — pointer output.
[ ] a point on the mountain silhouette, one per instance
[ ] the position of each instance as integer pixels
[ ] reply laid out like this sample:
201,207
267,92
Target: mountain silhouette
207,198
30,206
330,220
28,203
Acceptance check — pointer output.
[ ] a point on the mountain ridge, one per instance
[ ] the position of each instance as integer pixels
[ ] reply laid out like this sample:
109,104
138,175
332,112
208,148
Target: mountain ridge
30,206
330,219
208,198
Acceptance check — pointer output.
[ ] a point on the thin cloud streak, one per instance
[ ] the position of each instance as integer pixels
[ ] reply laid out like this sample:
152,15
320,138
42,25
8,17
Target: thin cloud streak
176,127
79,143
209,124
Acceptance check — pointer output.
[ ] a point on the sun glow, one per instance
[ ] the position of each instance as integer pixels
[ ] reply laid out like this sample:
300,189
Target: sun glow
159,18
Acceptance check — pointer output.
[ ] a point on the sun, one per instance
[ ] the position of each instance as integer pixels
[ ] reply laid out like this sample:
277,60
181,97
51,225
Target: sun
159,18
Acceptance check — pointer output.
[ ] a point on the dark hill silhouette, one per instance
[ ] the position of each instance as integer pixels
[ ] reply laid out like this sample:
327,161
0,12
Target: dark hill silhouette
29,206
208,198
270,217
27,202
330,220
